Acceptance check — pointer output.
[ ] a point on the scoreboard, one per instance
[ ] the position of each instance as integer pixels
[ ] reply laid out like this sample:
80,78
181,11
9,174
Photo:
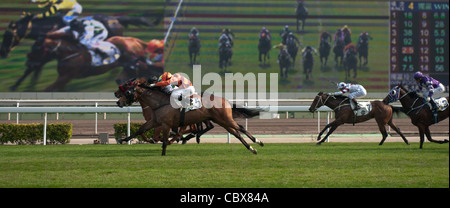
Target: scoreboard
419,41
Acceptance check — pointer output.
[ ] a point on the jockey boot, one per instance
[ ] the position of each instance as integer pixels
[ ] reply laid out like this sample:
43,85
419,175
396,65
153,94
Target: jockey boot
356,104
433,105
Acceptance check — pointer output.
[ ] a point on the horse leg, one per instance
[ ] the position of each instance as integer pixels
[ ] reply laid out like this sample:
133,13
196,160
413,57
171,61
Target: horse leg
354,72
255,140
209,126
232,127
145,127
428,134
165,131
303,24
396,129
382,130
422,136
333,125
259,57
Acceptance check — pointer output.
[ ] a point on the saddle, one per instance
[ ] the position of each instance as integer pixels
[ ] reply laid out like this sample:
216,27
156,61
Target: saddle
364,108
195,103
441,104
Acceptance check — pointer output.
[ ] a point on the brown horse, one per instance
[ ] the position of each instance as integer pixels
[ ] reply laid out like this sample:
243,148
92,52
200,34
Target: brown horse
416,108
344,114
194,130
74,60
219,110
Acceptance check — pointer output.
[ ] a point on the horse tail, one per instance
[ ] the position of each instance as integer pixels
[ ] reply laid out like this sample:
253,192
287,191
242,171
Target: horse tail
136,21
240,112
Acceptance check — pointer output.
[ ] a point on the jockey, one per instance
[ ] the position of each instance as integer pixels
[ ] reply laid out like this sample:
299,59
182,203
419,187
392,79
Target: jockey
184,91
70,9
91,33
264,31
429,87
325,36
291,38
349,48
284,34
308,49
338,36
346,29
355,91
226,37
193,33
156,49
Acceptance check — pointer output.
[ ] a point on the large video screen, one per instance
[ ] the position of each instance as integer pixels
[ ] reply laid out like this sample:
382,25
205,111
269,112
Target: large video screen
305,46
329,29
31,61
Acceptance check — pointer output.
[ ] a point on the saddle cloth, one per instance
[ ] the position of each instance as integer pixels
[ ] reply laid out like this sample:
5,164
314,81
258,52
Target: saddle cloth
110,49
441,103
196,104
365,108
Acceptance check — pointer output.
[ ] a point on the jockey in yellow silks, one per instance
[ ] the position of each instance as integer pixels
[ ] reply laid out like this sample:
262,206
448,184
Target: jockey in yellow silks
70,9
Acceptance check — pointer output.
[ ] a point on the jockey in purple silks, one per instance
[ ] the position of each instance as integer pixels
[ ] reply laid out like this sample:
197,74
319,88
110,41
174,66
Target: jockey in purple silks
429,87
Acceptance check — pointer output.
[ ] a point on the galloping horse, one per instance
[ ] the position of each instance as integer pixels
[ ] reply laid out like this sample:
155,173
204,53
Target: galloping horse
195,130
324,51
284,60
301,14
194,48
264,47
338,50
363,48
29,27
350,62
344,114
74,60
225,53
415,107
218,110
308,62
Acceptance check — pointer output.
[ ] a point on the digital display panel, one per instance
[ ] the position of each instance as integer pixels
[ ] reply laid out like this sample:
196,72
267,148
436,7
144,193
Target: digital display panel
419,35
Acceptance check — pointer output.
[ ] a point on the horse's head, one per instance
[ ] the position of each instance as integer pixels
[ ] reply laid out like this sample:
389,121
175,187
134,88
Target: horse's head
126,93
15,32
318,102
393,95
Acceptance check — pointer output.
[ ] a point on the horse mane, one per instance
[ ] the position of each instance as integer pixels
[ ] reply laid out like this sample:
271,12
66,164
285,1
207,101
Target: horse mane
411,94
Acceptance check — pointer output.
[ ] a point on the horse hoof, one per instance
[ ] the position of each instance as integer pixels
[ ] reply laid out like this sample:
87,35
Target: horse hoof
318,143
261,144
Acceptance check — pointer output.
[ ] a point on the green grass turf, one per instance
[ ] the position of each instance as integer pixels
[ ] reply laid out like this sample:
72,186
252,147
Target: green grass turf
392,165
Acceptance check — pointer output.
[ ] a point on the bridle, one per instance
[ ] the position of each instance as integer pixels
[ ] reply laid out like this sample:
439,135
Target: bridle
321,100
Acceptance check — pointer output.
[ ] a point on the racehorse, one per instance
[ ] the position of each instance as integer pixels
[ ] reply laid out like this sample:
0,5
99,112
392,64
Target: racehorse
264,47
29,27
194,130
324,51
284,60
219,110
301,14
74,60
338,50
225,53
308,62
416,108
194,48
292,48
350,62
344,114
363,49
